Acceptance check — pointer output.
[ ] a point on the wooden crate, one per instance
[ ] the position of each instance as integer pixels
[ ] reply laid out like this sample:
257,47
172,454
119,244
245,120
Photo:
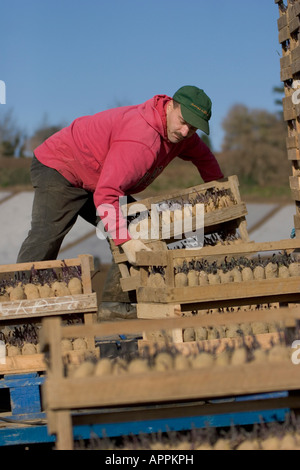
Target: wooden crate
227,220
66,398
82,306
288,37
220,295
215,214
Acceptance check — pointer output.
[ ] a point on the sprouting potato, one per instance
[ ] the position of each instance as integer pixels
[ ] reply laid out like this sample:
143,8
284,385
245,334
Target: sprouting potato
233,330
66,345
288,442
226,277
259,272
270,443
283,272
60,288
103,367
16,293
188,335
237,275
120,366
203,278
294,269
247,274
259,328
45,291
138,366
31,291
223,358
13,350
181,280
181,362
212,333
163,361
246,329
200,333
249,444
75,286
203,359
221,331
222,444
260,355
193,278
271,270
214,278
79,343
156,280
28,349
4,297
85,369
239,356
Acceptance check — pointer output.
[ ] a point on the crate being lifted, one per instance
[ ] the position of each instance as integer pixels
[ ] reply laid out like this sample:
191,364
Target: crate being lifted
171,221
31,291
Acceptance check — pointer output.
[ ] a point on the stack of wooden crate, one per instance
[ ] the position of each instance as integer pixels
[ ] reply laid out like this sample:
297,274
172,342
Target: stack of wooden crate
289,30
99,395
21,313
26,310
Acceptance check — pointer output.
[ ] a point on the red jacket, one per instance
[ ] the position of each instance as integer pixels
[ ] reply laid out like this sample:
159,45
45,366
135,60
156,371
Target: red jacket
120,152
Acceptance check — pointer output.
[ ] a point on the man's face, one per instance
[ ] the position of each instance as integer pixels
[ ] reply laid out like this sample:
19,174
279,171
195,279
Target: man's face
177,128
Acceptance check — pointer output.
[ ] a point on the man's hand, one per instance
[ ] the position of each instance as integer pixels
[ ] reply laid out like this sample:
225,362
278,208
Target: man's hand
132,247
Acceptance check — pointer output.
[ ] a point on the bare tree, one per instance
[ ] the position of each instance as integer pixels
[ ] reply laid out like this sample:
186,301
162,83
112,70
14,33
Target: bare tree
11,137
254,146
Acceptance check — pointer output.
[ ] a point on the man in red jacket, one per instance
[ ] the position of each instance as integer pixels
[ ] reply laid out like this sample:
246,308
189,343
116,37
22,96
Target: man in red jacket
90,164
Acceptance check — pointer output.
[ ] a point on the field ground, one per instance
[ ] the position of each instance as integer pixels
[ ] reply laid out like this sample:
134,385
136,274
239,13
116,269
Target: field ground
15,176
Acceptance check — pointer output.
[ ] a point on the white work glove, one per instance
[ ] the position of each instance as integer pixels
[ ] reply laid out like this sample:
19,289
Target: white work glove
132,247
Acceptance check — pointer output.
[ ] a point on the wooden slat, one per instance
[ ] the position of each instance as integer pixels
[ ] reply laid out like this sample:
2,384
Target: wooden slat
282,22
158,387
36,362
284,35
294,24
245,290
293,154
292,142
294,182
161,259
295,66
168,317
7,268
48,306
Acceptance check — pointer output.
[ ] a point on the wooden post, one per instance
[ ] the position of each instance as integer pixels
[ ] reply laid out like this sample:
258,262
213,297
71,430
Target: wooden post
288,29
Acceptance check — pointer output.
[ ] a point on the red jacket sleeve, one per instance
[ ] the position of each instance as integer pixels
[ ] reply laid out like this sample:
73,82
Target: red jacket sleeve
125,165
202,157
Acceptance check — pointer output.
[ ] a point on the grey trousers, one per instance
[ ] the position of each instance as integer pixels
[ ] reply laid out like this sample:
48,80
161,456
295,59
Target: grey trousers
56,206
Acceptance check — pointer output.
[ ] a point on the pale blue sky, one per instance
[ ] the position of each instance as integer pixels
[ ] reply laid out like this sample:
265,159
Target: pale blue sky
66,58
